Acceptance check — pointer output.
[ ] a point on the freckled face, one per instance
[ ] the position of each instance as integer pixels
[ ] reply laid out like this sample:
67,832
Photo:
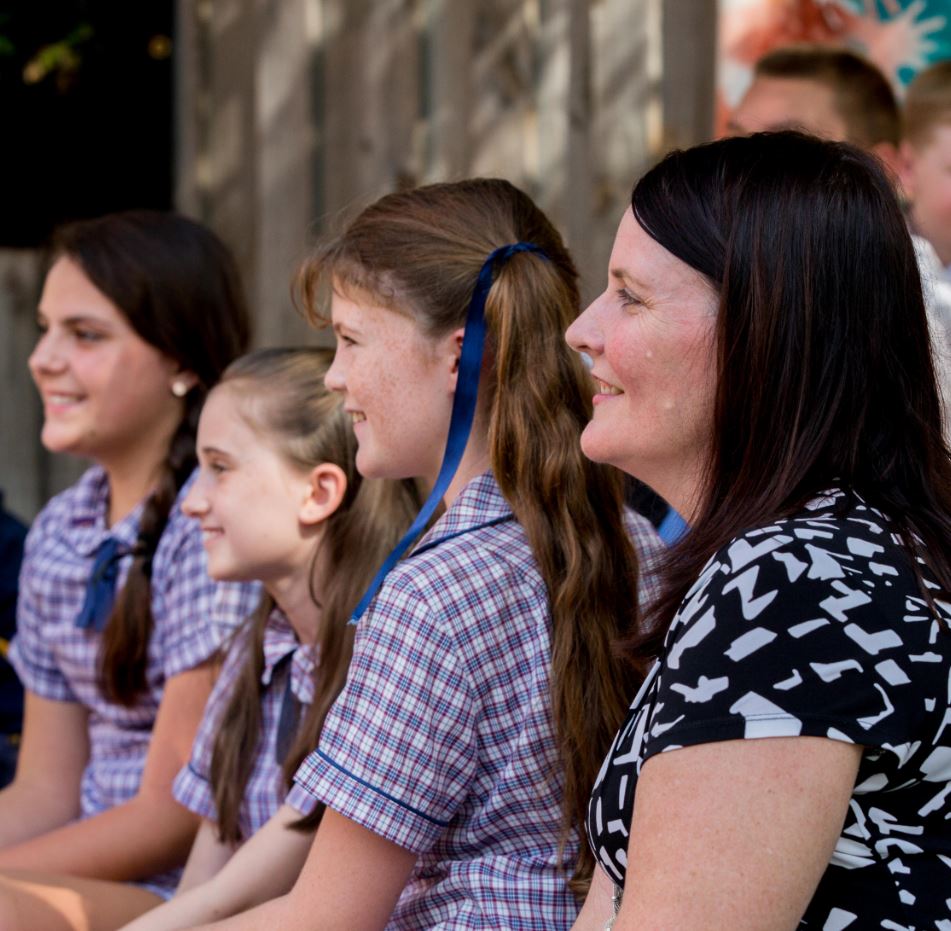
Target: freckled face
102,385
397,383
651,338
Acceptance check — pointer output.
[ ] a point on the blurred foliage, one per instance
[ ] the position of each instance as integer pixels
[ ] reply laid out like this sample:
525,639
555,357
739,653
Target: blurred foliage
40,42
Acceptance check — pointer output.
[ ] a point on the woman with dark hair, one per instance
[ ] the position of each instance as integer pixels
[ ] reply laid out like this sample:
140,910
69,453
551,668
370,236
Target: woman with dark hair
763,362
117,618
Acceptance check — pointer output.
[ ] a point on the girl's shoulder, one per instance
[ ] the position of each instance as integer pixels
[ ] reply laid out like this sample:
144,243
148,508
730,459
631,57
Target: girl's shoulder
82,504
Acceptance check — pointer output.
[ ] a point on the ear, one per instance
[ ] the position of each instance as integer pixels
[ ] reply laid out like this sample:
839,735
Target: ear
454,354
327,485
888,154
906,168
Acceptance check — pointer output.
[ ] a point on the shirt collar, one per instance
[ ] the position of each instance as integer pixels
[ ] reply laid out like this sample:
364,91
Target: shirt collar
480,503
280,640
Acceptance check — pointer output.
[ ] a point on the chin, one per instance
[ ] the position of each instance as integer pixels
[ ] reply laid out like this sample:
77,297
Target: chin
595,449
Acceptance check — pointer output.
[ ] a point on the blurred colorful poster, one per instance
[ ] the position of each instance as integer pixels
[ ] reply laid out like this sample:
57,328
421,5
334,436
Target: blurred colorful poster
900,36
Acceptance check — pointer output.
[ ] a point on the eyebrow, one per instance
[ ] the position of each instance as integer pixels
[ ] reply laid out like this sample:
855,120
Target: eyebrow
625,275
79,320
215,451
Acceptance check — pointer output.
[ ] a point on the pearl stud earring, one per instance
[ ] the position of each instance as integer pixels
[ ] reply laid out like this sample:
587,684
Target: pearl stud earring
179,388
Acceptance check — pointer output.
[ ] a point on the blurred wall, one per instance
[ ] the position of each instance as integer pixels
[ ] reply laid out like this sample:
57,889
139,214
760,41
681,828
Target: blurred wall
292,114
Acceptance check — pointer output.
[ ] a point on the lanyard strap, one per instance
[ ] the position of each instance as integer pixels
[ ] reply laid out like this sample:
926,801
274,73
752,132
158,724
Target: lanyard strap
463,412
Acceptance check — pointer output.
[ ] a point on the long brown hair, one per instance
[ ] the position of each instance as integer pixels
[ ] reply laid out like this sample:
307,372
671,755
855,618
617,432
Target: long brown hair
825,376
419,253
280,393
178,286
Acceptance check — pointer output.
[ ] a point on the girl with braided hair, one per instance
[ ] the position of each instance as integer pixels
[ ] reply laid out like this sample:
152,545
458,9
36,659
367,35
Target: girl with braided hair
118,620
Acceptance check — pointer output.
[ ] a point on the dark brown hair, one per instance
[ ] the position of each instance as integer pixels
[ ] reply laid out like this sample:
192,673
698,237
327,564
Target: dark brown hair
864,98
824,367
280,393
419,253
928,103
177,285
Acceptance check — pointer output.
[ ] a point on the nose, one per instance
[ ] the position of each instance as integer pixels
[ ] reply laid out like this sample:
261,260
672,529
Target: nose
334,377
195,503
584,335
47,356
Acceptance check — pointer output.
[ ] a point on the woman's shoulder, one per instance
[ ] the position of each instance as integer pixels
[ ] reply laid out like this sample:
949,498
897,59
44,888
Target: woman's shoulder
836,560
836,535
83,502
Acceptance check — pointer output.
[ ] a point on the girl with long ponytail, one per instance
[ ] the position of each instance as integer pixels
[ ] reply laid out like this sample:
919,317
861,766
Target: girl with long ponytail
456,764
118,621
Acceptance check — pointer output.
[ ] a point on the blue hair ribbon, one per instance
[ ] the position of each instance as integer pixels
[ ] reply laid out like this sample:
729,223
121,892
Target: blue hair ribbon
463,412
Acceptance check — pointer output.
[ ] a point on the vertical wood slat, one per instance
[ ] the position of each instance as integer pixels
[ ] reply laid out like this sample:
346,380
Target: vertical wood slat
689,69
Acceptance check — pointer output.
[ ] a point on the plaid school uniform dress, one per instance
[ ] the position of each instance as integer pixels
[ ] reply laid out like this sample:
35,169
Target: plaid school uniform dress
442,741
284,656
57,660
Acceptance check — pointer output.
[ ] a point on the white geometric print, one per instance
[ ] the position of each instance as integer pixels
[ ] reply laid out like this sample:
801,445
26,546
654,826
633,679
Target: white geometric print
824,614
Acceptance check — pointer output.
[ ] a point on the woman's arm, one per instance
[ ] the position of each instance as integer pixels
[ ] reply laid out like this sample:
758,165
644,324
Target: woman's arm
151,832
207,857
263,868
598,906
352,879
44,794
735,836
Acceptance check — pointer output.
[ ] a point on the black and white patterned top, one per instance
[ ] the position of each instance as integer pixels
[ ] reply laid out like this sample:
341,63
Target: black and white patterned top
814,626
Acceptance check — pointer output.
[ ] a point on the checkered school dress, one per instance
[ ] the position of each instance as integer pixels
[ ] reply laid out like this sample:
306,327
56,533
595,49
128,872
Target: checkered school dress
442,741
264,793
57,660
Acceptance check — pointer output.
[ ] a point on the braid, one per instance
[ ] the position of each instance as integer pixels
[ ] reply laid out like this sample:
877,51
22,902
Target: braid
124,652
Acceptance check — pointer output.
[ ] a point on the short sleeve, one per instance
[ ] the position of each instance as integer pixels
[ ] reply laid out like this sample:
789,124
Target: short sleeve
398,749
31,654
192,612
787,637
192,786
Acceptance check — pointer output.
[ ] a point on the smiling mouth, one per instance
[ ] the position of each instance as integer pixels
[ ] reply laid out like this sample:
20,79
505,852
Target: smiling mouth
60,399
605,388
357,417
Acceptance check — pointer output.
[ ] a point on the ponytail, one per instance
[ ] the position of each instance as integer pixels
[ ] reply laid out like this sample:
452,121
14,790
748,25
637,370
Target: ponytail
572,513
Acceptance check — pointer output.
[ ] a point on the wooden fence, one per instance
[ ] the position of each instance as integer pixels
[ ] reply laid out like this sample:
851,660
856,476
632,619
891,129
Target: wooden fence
294,113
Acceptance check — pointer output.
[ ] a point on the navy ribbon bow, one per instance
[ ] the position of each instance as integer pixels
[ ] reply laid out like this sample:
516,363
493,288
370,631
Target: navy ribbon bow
101,587
463,411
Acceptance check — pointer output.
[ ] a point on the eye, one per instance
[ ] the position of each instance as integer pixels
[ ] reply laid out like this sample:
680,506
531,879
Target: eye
346,340
217,468
628,298
87,336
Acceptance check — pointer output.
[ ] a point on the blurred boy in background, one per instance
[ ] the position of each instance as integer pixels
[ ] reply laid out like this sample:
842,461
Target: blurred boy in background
838,95
926,158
